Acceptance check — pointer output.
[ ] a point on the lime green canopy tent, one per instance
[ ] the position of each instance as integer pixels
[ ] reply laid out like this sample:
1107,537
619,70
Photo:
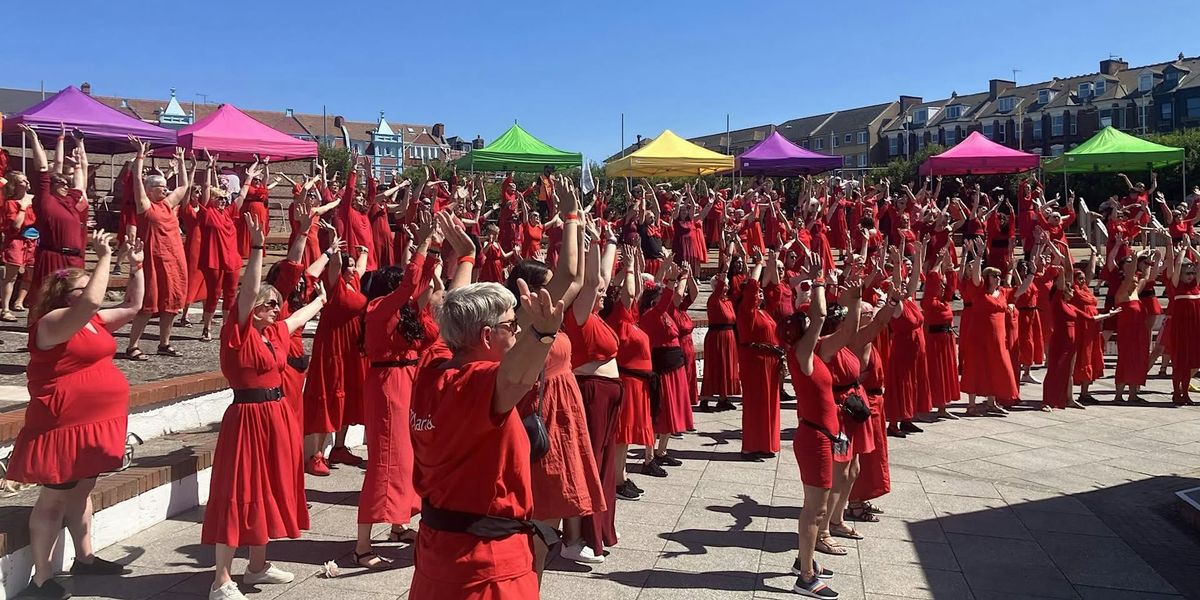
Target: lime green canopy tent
516,150
1111,151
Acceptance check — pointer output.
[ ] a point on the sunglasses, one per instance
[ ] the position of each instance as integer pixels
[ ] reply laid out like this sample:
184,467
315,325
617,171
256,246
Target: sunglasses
509,325
270,304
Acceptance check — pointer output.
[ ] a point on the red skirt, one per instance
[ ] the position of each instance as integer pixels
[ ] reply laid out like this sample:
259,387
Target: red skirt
863,435
1133,345
942,365
1030,349
333,391
874,473
1185,334
675,408
760,401
721,374
1056,387
907,388
457,566
387,491
566,481
601,402
257,490
1089,352
633,418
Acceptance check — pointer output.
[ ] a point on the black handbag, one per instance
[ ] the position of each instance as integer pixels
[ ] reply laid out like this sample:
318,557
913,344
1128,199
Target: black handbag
535,426
856,408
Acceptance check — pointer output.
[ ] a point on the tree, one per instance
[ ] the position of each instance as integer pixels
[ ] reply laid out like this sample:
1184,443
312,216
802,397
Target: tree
337,159
907,170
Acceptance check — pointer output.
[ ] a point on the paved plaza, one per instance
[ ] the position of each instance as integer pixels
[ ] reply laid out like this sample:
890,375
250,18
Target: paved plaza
1068,504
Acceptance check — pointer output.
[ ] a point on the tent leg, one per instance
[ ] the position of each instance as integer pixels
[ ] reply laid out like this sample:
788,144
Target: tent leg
23,153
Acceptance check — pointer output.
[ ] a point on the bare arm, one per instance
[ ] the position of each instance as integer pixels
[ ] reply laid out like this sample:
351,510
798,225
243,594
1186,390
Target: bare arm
59,325
116,317
523,364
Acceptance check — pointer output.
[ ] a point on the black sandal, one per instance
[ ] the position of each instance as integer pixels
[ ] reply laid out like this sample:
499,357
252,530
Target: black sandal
205,335
136,354
367,561
403,536
860,513
169,350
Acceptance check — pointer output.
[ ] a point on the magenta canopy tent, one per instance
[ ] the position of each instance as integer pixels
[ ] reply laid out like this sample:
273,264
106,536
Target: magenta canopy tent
104,128
978,155
237,137
778,157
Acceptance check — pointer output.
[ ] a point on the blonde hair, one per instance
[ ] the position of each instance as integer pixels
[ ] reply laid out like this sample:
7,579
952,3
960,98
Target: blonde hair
54,290
989,271
265,293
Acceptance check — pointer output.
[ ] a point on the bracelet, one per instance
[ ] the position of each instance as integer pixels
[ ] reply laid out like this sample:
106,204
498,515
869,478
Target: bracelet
329,253
135,267
258,247
466,259
433,251
571,217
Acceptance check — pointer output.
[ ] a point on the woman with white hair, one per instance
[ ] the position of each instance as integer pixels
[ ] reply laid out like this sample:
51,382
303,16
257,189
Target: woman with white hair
166,265
471,449
257,487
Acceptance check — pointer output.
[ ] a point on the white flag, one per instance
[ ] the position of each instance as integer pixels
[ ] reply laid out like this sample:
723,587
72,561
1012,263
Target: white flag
585,180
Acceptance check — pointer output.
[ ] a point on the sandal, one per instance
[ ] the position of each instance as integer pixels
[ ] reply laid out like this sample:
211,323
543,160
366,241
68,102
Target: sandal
859,513
8,317
871,508
136,354
845,531
372,561
827,545
169,350
403,536
184,323
977,411
205,335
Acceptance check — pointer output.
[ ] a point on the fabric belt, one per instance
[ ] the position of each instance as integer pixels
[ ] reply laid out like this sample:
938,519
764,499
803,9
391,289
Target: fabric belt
874,391
1026,308
483,526
257,395
389,364
63,251
299,363
941,328
722,326
841,389
667,359
653,386
771,349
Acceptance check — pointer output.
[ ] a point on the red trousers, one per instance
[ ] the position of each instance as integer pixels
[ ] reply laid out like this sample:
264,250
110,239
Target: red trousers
221,282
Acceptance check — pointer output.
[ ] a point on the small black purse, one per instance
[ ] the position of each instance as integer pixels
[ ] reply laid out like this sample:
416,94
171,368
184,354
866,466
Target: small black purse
856,407
535,426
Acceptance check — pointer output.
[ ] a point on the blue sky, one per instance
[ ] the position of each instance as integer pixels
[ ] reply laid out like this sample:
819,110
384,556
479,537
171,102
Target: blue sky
567,70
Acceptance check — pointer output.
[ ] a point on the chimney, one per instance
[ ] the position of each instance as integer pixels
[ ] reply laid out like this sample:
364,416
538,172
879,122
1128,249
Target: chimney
639,140
289,112
907,102
478,143
1112,66
86,88
997,87
439,130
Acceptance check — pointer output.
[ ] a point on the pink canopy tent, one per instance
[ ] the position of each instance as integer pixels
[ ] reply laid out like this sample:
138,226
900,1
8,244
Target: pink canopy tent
237,137
978,155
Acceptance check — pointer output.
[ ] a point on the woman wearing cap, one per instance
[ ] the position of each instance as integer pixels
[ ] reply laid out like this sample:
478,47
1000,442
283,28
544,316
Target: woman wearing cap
55,202
257,489
166,265
20,242
78,412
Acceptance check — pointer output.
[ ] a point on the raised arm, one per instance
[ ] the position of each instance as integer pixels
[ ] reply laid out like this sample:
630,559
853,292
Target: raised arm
35,144
59,325
253,273
568,277
116,317
805,347
176,196
140,199
523,363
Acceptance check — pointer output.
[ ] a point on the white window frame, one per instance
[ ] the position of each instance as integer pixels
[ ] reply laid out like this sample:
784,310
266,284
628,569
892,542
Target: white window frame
1057,125
893,145
1006,104
820,144
921,116
862,160
1084,90
863,137
1074,118
1003,132
1145,82
989,130
1187,109
954,111
848,139
1100,86
1167,112
1037,128
836,139
951,136
1044,96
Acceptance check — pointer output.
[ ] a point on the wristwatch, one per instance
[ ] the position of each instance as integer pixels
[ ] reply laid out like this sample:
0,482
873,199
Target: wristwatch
545,338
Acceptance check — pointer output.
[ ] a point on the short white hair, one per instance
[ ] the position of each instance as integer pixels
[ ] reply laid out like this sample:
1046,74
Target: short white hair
468,309
154,181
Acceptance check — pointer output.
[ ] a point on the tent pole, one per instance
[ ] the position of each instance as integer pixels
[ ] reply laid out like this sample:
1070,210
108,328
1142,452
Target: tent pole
23,152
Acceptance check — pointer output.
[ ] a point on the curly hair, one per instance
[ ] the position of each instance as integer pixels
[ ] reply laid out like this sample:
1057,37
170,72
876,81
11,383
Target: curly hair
381,282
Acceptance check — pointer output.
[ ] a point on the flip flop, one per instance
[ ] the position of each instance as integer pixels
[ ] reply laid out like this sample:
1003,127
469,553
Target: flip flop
403,536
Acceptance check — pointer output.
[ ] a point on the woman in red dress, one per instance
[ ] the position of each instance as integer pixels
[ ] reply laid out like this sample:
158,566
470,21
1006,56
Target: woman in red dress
940,345
255,196
219,261
468,389
671,408
1133,337
760,357
492,258
1185,322
333,390
635,368
1030,349
55,202
684,225
189,220
1089,347
907,379
987,366
166,265
20,242
353,224
722,377
531,233
257,491
78,411
685,294
308,200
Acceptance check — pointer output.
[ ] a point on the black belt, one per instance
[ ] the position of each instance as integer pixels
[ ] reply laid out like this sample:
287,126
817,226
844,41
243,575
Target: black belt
257,395
653,386
666,359
941,328
1026,308
839,389
388,364
1000,244
299,363
773,350
483,526
874,391
63,251
722,326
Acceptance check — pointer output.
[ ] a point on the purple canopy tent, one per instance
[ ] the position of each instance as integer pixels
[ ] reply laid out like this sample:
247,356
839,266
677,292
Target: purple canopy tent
104,128
978,155
778,157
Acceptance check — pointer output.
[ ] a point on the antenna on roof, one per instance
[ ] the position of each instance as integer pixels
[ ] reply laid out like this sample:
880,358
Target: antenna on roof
1112,56
1014,72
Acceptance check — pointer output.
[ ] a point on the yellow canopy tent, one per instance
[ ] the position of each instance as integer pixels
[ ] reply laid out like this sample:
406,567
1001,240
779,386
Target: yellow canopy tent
669,156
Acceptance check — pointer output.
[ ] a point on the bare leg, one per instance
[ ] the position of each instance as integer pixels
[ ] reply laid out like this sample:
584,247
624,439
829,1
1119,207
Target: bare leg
1120,393
45,523
165,322
540,550
78,518
10,281
572,531
619,460
844,475
26,281
136,329
258,559
224,560
812,515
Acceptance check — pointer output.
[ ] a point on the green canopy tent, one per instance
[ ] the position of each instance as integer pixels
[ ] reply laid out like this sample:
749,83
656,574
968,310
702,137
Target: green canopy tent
516,150
1113,151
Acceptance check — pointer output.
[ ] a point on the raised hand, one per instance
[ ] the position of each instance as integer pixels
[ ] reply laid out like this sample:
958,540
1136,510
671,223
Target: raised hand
102,243
136,251
454,233
544,313
257,238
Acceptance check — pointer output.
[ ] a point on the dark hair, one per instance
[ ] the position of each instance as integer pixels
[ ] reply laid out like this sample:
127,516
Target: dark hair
381,282
299,295
793,328
834,315
611,298
649,298
535,273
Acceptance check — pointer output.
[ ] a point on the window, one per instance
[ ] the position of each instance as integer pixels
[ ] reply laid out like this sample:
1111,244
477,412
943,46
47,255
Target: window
1193,108
1085,89
1003,133
1145,82
1056,150
862,137
1100,83
1171,78
1037,128
1006,104
893,145
921,116
988,130
1056,125
1118,116
953,112
849,139
848,161
920,143
820,143
1106,118
951,136
1168,113
804,144
862,160
1044,96
836,140
1074,118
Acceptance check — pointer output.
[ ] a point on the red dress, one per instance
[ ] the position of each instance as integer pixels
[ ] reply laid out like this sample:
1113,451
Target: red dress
165,264
257,490
846,369
387,491
874,475
1185,323
18,250
61,244
1030,349
566,481
78,410
986,365
531,240
1089,346
220,263
683,323
683,241
491,264
814,408
287,281
674,407
760,358
467,459
354,226
721,374
333,394
189,218
255,203
381,236
312,248
1133,344
940,346
633,360
907,369
1056,388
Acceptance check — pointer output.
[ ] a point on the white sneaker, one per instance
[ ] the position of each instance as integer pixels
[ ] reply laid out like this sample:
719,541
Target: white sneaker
580,553
229,591
271,574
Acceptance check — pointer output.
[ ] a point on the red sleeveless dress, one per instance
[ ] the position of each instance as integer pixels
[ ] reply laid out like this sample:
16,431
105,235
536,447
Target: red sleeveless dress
333,393
633,360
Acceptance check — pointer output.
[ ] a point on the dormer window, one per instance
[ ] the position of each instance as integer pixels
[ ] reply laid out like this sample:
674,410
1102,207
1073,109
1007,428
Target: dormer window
921,116
1085,89
1044,96
1171,78
954,111
1100,83
1145,82
1006,103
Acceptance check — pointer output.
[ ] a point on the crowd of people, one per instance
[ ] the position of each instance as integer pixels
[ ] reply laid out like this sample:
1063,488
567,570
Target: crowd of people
534,339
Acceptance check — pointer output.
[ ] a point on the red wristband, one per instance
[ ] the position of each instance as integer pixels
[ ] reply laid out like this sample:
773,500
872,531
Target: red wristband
466,259
571,217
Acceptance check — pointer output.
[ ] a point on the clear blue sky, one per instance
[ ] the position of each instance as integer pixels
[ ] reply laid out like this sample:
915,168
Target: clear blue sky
567,70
